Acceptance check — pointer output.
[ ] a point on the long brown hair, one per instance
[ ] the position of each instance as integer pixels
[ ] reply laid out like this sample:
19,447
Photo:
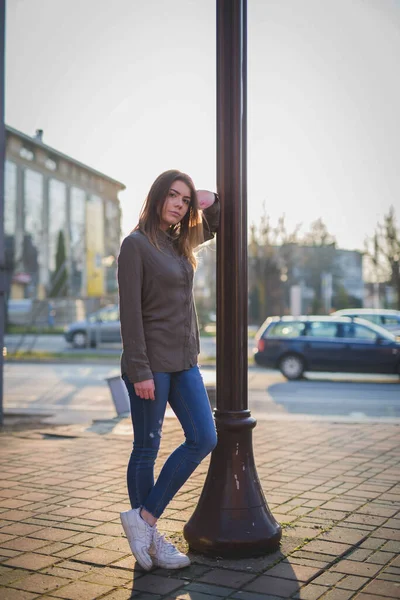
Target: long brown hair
188,233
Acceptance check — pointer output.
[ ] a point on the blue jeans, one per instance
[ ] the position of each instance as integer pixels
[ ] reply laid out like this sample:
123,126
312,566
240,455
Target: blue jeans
187,396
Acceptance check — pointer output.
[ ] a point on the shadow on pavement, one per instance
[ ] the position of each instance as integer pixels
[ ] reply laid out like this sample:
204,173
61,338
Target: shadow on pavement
216,577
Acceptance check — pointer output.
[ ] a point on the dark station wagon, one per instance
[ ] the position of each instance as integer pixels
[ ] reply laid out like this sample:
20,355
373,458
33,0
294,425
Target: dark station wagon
312,343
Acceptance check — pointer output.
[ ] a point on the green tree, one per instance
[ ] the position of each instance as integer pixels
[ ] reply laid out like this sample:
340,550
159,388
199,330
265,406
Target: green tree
59,279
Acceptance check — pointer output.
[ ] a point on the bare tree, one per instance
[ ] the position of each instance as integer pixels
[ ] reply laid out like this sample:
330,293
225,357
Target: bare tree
271,250
318,258
383,253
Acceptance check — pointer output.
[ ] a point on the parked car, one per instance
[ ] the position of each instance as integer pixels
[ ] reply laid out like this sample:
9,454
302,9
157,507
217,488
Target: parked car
298,344
101,326
389,319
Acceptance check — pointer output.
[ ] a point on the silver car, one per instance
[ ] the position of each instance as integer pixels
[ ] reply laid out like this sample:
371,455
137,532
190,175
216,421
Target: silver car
102,326
389,319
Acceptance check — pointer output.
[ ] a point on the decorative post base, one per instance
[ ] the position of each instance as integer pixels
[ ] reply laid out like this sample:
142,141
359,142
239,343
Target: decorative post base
232,518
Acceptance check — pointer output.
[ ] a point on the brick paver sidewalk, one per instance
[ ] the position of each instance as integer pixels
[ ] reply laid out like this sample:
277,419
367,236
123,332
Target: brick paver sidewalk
333,486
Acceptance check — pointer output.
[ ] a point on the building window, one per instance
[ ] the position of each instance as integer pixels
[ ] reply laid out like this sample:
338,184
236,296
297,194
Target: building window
33,250
77,239
26,154
50,164
10,193
10,215
95,246
57,237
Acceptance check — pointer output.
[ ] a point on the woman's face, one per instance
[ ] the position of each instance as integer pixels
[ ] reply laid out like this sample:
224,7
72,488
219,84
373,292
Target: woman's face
176,204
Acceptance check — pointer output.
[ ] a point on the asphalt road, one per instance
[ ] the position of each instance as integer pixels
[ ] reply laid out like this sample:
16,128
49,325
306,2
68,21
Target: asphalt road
57,343
80,393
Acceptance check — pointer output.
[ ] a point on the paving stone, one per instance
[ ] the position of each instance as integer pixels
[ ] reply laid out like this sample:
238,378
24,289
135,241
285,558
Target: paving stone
81,590
16,515
6,537
351,582
11,594
351,567
105,579
242,595
122,594
338,594
391,546
14,503
310,592
288,570
74,566
363,596
387,589
52,534
343,535
328,579
380,558
31,561
8,575
360,555
99,556
327,547
372,543
188,573
60,572
388,577
274,586
158,585
70,551
24,544
224,577
40,583
386,533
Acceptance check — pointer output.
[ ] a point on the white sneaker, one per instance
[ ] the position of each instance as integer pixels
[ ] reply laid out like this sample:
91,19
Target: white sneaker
139,535
165,555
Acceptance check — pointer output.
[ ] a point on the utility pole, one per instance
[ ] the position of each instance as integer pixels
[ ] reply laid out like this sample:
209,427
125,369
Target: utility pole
232,518
2,159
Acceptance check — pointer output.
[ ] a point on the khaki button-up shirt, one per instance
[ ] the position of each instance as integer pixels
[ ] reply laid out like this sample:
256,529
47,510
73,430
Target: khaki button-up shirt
158,317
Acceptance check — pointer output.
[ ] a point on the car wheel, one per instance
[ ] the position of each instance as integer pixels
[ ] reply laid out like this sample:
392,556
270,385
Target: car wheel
79,339
292,366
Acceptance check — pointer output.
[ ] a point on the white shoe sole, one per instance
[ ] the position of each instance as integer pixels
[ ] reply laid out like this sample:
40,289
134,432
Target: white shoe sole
181,564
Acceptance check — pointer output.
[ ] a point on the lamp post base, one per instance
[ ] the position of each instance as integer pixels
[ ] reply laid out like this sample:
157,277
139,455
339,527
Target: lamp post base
232,518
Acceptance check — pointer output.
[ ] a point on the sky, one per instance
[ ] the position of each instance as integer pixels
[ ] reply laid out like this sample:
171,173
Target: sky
129,88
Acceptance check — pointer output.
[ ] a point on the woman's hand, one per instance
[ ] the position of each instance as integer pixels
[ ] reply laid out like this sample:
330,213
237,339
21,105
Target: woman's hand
205,198
145,389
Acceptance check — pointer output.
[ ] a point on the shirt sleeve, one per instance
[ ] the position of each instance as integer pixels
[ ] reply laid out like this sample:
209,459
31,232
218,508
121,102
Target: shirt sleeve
211,220
130,281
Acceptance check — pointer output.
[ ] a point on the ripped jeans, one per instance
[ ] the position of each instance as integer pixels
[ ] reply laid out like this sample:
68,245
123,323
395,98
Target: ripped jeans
187,396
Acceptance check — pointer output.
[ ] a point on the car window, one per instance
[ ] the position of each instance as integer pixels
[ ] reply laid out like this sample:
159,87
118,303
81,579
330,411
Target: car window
286,329
388,320
322,329
105,315
377,319
358,332
109,315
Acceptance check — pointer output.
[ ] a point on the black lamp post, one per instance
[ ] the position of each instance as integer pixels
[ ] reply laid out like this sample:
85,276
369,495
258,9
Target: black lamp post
232,518
2,159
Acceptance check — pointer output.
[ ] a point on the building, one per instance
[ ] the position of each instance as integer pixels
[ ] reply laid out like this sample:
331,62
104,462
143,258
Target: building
62,220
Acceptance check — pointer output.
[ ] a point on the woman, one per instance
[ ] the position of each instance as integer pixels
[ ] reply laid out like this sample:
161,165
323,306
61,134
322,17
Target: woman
160,349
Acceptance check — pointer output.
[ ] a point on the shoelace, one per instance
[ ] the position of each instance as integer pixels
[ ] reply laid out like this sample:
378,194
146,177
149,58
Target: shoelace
161,542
